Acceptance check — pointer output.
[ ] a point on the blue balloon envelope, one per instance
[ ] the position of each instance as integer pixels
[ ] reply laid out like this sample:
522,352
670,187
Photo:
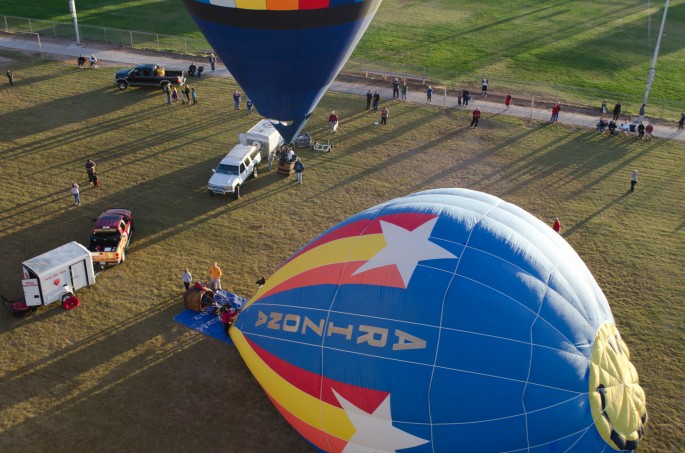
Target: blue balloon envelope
283,53
448,320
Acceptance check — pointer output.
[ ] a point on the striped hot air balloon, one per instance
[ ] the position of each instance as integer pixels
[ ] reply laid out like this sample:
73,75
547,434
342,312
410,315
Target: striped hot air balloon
448,320
283,53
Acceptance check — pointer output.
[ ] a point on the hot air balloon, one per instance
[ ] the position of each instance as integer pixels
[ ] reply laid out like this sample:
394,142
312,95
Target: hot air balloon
448,320
283,53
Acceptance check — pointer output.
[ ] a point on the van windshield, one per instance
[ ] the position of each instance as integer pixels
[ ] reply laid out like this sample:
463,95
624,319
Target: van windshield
227,169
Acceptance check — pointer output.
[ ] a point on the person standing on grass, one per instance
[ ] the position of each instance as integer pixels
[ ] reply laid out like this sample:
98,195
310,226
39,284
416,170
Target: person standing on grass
396,88
484,87
299,169
186,278
249,106
369,98
507,101
604,106
333,122
167,91
10,77
633,180
193,96
429,94
174,95
186,91
403,89
465,97
681,123
617,111
236,99
376,100
384,115
476,117
90,170
75,193
215,277
556,226
212,61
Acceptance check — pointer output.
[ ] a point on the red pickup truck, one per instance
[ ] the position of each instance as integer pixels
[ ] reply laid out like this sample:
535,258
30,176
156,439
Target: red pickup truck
111,236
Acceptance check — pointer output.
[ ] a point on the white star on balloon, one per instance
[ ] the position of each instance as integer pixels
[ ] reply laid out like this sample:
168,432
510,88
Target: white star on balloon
405,249
374,433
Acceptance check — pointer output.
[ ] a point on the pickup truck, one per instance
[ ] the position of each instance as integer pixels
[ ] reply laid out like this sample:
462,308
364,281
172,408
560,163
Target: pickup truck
261,141
148,75
111,236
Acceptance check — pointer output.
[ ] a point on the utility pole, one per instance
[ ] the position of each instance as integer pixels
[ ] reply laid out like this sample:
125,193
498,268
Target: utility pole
652,68
72,8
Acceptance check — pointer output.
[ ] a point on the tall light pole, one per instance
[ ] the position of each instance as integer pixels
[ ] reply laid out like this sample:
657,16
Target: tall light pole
652,69
72,8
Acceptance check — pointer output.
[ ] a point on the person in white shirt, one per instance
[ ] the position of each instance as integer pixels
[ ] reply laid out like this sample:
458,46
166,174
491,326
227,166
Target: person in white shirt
187,278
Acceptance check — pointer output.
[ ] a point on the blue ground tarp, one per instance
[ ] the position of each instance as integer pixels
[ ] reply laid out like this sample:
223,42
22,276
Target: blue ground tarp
209,323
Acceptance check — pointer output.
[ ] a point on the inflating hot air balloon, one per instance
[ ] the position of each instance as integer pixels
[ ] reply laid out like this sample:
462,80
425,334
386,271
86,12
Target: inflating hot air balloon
448,320
283,53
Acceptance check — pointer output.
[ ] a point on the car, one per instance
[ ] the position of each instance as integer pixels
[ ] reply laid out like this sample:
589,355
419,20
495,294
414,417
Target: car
111,236
235,169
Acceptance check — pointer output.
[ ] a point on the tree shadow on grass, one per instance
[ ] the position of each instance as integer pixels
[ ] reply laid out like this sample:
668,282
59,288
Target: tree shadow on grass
569,232
66,111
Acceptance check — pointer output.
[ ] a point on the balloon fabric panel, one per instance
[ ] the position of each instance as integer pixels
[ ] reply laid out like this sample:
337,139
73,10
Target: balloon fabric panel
425,335
284,60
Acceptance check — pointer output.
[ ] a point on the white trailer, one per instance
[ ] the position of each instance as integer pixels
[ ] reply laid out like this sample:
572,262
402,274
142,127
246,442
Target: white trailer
49,276
265,133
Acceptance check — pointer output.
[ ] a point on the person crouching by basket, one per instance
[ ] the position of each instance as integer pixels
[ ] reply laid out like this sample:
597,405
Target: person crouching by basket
333,122
228,316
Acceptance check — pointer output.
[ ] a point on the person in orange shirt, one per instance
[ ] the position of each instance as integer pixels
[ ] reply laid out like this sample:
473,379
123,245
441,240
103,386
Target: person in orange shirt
215,276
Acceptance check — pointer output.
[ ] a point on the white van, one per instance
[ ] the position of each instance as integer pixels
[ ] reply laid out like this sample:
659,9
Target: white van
235,169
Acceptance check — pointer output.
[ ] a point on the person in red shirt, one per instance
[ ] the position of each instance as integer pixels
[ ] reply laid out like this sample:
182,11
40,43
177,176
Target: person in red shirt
557,225
384,115
333,122
650,131
476,117
555,113
507,101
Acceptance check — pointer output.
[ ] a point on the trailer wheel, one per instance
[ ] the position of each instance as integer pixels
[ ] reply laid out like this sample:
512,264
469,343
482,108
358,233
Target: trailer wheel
122,84
236,192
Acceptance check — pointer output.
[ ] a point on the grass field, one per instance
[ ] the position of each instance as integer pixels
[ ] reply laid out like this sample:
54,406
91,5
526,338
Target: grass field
117,374
599,45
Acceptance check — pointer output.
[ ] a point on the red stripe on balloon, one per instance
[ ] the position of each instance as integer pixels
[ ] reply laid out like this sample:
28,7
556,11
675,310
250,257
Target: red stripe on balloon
313,4
314,435
320,386
341,274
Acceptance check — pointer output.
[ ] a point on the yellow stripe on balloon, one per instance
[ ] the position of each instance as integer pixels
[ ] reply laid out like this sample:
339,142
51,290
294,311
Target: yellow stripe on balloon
356,248
307,408
250,4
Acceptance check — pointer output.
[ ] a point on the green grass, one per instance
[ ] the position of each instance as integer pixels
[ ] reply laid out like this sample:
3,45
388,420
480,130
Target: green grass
592,45
117,374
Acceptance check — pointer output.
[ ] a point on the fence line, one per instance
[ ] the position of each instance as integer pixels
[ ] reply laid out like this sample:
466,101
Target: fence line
539,92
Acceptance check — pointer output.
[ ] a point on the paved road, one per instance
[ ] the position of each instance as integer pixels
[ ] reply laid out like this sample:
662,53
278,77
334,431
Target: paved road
132,57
